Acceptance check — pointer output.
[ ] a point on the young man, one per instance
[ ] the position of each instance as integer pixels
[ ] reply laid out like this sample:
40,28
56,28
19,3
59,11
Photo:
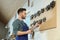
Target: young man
20,28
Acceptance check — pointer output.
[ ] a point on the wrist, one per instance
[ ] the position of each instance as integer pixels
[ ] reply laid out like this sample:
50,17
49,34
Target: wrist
26,32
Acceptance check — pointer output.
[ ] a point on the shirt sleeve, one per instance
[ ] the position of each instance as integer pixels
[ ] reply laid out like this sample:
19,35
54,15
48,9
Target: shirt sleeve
16,27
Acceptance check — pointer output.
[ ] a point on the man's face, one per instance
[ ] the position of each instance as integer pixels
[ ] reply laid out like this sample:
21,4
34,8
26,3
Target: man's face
23,14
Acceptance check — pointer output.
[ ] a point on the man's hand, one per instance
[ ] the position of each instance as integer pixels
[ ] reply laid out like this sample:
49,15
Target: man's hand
29,31
37,24
34,26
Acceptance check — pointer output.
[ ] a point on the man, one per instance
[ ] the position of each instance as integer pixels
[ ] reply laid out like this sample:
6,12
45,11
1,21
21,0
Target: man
20,28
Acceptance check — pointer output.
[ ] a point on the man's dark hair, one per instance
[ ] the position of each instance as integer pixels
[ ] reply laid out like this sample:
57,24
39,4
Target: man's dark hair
21,10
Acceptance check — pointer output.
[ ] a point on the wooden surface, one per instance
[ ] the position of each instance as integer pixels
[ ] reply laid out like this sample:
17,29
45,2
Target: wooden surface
50,23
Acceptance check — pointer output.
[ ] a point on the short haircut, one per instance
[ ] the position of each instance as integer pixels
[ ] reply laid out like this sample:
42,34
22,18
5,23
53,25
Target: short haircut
21,10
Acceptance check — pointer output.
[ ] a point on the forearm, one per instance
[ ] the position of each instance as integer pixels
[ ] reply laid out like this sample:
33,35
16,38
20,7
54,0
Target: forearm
22,33
33,27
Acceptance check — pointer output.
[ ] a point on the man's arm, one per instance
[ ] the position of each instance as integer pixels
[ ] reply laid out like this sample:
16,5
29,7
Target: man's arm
34,26
23,33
